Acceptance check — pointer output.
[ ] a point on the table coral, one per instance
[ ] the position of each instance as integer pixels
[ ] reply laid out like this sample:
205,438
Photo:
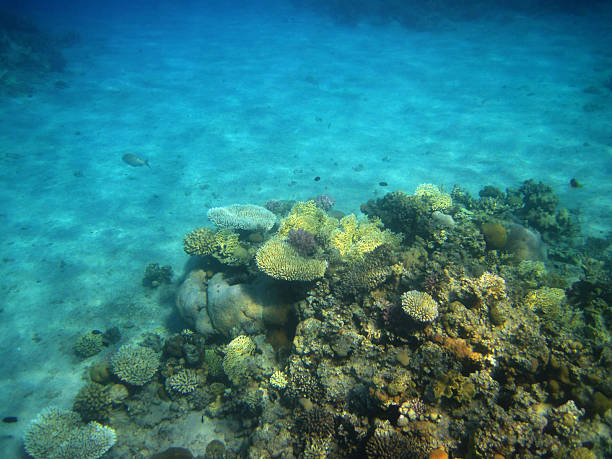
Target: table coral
56,434
242,217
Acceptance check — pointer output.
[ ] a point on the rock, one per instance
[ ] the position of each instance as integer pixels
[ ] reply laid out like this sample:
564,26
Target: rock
247,308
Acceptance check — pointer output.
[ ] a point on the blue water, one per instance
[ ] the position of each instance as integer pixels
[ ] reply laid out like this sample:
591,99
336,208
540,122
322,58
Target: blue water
250,104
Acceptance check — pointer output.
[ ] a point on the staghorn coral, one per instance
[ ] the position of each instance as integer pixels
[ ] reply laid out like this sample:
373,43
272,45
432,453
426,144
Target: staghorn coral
356,238
436,199
60,434
183,382
307,216
236,360
135,365
242,217
419,306
278,259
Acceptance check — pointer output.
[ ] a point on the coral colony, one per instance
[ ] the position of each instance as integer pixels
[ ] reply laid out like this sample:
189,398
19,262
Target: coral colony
437,325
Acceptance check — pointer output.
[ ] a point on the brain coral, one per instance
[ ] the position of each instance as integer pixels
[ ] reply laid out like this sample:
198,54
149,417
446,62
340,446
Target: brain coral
356,238
135,365
419,306
56,434
242,217
278,259
236,360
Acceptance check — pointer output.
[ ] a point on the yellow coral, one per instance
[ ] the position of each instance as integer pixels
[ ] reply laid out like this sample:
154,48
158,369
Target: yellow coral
356,238
492,287
235,362
200,241
278,259
224,245
545,298
278,380
436,199
307,216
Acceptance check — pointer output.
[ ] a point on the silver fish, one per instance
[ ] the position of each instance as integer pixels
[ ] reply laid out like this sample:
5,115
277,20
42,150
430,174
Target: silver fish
135,161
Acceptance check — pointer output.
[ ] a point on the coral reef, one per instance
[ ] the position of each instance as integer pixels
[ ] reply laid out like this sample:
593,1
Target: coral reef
242,217
135,365
56,434
442,340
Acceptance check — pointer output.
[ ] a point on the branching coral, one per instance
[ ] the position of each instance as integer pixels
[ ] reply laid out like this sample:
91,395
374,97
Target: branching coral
307,216
356,238
420,306
235,362
242,217
135,365
183,382
436,199
278,259
59,434
224,245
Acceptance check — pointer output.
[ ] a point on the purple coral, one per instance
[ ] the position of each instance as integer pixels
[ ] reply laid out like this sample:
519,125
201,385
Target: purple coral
324,201
302,241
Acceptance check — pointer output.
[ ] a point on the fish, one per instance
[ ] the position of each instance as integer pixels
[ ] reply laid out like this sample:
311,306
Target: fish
135,161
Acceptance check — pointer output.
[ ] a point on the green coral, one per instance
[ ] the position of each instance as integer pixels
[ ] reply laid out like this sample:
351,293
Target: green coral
559,317
89,345
236,360
60,434
278,259
93,403
309,217
355,238
135,365
223,245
